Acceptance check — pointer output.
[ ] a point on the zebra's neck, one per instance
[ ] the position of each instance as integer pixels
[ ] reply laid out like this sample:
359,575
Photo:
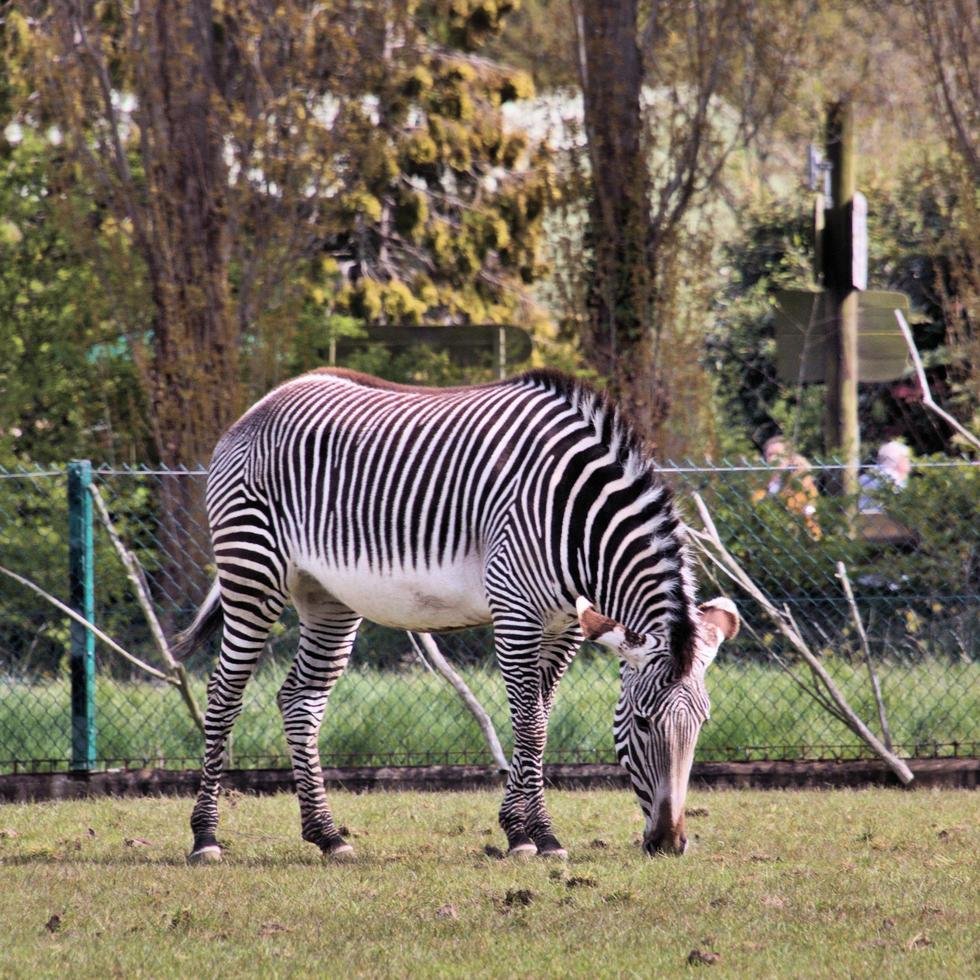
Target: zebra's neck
616,532
631,553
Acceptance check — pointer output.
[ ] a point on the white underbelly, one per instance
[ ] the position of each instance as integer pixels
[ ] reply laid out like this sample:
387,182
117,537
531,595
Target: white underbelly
446,597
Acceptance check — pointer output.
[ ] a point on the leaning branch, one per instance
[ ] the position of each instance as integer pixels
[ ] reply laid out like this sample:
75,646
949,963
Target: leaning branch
469,699
710,542
927,398
134,572
866,649
107,640
813,690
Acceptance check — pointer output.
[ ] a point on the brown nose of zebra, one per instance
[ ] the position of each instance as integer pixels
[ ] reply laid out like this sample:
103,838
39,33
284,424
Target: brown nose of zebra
669,843
667,837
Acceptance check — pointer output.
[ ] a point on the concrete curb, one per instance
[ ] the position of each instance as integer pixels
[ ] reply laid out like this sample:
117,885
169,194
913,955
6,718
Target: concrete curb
25,787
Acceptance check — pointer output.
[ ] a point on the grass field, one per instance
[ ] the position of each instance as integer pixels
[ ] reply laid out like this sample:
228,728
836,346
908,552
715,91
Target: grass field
832,884
413,717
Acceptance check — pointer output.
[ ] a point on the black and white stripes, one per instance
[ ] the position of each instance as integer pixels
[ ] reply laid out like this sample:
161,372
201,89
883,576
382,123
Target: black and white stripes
433,509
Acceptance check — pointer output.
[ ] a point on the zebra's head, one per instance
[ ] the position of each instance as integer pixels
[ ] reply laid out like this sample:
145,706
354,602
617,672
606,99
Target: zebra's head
660,713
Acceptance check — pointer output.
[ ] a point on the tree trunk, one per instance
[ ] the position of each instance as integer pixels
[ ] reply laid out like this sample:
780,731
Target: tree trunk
618,339
194,371
193,374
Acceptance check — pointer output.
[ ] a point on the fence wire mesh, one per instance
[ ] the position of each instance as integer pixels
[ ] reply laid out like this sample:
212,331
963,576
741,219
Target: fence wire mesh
913,556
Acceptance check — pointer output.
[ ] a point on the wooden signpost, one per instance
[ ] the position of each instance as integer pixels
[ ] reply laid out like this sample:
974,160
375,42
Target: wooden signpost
841,334
841,363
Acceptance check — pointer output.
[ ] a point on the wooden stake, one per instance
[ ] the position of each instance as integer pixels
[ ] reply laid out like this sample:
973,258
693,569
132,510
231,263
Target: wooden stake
841,425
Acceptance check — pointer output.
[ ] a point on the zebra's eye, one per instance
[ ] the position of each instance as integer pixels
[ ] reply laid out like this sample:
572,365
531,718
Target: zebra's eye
642,723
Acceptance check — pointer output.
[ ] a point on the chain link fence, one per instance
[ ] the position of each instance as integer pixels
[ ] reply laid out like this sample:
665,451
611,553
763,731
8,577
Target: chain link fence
913,556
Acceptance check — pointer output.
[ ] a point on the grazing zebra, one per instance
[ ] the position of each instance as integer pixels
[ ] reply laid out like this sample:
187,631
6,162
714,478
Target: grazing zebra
526,503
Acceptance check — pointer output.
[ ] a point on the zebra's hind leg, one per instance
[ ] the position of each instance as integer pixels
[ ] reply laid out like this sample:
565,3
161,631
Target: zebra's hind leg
244,635
557,652
327,631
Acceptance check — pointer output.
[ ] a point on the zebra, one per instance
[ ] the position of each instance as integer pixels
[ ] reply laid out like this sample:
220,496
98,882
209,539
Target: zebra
526,503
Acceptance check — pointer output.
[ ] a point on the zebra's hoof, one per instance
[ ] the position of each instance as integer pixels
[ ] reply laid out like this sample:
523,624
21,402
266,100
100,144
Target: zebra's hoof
522,852
341,851
550,847
209,854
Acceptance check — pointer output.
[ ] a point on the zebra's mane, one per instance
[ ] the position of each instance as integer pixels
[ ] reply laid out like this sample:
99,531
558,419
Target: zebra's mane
612,425
615,429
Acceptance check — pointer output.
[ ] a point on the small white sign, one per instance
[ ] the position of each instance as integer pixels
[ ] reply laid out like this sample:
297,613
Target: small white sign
859,241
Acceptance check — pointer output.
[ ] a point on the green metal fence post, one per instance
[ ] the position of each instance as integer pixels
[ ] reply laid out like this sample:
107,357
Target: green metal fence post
81,597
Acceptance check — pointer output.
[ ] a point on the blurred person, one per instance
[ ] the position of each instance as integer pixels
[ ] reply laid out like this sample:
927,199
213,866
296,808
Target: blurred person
888,477
891,473
792,483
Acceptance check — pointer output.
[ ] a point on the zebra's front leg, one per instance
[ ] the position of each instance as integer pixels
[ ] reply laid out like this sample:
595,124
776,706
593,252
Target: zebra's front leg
327,632
517,653
242,641
557,652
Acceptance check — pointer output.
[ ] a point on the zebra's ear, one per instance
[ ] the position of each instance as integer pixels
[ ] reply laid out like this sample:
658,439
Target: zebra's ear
722,614
719,622
631,647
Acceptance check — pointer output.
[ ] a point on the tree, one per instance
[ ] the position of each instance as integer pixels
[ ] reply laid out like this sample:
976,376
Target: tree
58,335
620,300
716,73
951,33
174,116
951,29
347,157
171,114
442,219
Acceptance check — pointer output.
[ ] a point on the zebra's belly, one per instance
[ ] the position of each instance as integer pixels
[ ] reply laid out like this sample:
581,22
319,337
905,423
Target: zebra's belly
445,597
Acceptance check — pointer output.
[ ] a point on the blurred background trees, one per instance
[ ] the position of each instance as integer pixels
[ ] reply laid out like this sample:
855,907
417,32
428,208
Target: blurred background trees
198,198
260,174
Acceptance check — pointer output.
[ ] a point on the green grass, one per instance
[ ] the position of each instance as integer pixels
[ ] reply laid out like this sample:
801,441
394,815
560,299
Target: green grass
414,717
817,884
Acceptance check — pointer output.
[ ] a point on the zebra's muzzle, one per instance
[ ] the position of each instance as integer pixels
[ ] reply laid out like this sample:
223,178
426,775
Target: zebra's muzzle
666,837
670,843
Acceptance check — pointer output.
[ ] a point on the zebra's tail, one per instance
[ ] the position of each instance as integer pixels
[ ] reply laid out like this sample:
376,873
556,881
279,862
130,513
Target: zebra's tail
208,619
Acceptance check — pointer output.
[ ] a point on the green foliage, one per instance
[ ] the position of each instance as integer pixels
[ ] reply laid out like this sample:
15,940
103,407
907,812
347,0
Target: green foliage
392,161
941,506
68,380
926,242
443,222
34,544
466,24
773,251
916,590
775,546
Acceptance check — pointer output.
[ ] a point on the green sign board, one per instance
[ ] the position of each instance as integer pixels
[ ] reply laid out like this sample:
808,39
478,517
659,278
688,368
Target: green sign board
805,325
